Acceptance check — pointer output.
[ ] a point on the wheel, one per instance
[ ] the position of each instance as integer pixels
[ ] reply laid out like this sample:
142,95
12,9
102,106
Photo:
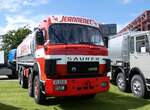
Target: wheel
121,82
138,87
30,85
19,77
23,82
13,76
39,96
10,77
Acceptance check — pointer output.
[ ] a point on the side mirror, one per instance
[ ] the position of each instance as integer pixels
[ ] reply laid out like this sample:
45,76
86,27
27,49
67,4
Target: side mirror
39,37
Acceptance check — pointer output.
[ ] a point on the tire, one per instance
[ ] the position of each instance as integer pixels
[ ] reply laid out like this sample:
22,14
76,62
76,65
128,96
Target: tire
121,82
10,77
39,96
19,77
24,83
13,76
138,87
30,85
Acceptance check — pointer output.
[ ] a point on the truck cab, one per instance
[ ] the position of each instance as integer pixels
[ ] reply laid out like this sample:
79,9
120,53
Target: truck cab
64,56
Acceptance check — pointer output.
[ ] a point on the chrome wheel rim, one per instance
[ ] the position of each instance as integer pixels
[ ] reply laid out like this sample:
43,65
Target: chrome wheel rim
120,83
137,89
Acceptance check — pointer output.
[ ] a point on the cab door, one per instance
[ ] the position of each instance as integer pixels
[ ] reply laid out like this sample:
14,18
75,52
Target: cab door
139,53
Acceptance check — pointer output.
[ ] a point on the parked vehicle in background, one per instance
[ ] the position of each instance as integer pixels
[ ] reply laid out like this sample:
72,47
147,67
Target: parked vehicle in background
130,56
11,63
4,70
64,56
2,57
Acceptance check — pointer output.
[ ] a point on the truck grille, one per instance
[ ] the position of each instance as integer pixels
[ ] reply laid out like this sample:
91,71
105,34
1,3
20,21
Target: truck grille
83,67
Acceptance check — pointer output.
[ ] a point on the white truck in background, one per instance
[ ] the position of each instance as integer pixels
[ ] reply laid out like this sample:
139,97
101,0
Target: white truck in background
3,65
130,61
2,60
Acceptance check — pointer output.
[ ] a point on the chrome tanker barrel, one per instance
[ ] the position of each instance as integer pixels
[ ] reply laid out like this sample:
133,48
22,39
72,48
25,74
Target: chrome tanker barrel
115,46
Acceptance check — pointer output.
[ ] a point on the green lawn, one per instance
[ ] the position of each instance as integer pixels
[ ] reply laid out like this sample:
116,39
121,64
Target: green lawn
13,97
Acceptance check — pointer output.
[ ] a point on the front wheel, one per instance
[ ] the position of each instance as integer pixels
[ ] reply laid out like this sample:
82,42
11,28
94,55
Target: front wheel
39,96
138,86
121,82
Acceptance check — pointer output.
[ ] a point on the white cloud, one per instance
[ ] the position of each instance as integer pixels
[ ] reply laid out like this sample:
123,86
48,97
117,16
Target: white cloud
34,2
125,1
15,5
17,21
9,5
1,31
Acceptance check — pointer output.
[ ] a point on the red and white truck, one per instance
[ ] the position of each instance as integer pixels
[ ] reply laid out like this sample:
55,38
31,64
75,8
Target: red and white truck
64,56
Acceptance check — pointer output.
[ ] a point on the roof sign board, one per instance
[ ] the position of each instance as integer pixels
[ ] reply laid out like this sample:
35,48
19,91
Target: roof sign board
74,20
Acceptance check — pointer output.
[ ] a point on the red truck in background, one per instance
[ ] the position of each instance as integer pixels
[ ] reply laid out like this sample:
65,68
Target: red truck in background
64,56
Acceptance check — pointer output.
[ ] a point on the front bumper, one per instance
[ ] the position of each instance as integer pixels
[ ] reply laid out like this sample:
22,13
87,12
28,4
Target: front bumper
78,86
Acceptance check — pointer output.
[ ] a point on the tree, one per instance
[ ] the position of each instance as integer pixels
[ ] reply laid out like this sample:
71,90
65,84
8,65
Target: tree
14,37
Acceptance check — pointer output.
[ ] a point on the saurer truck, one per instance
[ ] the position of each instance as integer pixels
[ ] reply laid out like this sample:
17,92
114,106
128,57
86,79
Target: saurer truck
130,56
64,56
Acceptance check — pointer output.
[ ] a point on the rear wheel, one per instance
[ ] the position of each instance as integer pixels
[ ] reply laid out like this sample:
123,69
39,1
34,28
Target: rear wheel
10,77
121,82
23,81
39,96
19,75
13,76
19,78
30,85
138,86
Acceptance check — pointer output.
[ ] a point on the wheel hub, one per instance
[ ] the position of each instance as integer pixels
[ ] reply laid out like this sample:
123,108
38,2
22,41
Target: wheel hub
120,82
137,87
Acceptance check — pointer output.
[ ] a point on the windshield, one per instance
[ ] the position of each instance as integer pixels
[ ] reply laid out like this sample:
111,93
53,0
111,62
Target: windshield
74,34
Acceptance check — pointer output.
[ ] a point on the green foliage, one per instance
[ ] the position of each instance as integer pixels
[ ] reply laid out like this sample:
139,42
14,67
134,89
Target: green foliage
14,37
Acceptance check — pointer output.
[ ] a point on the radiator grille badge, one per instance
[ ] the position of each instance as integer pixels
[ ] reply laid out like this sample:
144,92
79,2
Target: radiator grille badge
74,69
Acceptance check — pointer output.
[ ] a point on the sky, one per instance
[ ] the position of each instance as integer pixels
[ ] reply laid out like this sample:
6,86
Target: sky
20,13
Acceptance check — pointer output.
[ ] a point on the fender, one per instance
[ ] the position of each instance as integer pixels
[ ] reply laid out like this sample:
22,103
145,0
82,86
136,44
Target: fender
118,70
136,70
37,70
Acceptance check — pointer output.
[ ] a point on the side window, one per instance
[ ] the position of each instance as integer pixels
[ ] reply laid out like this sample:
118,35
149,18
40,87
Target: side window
142,45
132,45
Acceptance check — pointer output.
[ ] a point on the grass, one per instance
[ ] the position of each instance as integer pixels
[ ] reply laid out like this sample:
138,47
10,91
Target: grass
13,97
